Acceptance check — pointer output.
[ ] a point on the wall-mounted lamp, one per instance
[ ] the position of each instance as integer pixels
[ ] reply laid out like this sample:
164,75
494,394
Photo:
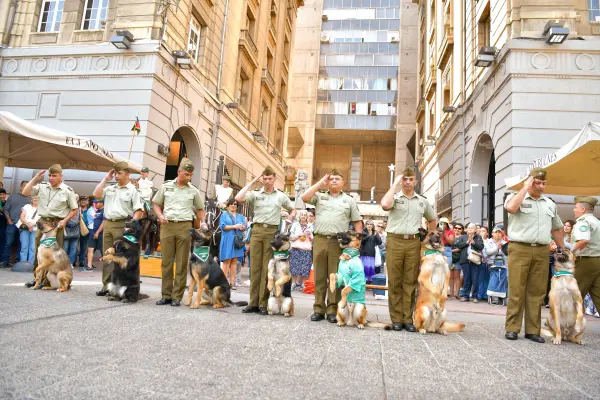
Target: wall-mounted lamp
182,59
232,106
275,153
259,137
449,109
164,150
122,40
555,32
486,57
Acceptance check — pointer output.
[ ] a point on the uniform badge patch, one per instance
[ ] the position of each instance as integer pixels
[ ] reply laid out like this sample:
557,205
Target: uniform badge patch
526,205
583,228
421,203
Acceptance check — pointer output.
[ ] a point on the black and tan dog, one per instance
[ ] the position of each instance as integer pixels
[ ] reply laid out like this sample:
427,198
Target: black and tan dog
565,319
279,277
124,258
213,287
52,260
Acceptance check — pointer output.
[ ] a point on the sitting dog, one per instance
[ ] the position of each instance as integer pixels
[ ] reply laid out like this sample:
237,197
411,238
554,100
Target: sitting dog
124,257
213,287
434,278
565,319
351,308
52,259
280,278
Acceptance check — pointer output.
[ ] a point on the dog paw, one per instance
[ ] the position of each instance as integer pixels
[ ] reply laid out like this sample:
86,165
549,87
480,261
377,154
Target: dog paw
270,312
124,300
422,331
194,306
112,298
218,306
557,340
443,333
287,314
340,323
360,326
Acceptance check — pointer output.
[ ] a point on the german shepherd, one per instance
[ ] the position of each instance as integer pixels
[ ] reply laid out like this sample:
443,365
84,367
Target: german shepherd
213,287
566,304
434,278
52,259
279,277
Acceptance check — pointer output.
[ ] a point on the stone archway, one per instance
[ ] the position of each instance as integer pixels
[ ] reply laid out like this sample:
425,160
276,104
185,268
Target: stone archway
184,143
483,179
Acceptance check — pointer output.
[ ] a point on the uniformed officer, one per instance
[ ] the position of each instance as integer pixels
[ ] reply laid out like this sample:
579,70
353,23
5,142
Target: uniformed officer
223,192
267,202
145,185
121,200
177,204
57,202
403,246
586,234
532,218
334,212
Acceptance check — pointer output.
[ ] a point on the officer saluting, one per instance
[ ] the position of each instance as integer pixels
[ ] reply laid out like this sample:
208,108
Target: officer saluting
176,204
531,218
586,233
403,247
57,203
334,211
268,202
121,200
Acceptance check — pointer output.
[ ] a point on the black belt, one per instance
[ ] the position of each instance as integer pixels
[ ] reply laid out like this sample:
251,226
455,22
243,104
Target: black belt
530,244
332,236
180,221
116,220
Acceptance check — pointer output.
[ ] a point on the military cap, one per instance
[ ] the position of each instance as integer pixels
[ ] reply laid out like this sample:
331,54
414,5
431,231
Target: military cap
186,165
55,169
120,166
226,178
592,201
336,172
538,173
268,171
408,172
145,169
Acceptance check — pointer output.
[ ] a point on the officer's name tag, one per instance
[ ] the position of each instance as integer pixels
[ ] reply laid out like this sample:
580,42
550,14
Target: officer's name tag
169,190
399,201
526,205
324,198
260,197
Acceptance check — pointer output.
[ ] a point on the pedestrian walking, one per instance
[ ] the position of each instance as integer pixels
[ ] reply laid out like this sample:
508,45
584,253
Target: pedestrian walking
121,200
27,227
470,245
96,227
369,241
179,207
532,218
268,203
407,209
56,204
334,211
230,249
301,236
12,210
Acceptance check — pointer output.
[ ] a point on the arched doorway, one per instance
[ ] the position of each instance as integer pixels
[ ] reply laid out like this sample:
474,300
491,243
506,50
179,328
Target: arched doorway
184,143
483,183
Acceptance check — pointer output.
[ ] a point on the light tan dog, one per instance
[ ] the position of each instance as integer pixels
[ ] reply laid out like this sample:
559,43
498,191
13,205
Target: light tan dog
434,278
52,259
565,319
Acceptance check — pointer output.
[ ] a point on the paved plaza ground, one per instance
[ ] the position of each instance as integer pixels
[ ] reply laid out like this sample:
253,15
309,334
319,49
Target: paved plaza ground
77,345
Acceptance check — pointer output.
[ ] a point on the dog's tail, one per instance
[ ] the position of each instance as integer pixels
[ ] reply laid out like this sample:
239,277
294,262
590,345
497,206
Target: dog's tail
454,327
237,303
387,327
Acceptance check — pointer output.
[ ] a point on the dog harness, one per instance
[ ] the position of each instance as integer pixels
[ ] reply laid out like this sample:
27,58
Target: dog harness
281,255
201,253
352,273
130,238
563,273
431,252
48,242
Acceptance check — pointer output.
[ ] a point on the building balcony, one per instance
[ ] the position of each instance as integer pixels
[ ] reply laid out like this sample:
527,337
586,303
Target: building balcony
288,26
446,46
420,109
282,107
248,46
444,202
268,82
431,80
356,122
272,33
286,63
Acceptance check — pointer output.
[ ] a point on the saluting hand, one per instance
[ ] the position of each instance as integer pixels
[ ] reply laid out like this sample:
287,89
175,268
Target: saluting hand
398,180
39,176
258,178
110,175
529,183
324,181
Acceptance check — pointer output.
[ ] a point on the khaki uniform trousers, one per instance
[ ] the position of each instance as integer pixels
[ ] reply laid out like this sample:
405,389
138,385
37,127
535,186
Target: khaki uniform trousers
260,255
587,273
527,280
326,258
175,243
112,230
403,258
60,239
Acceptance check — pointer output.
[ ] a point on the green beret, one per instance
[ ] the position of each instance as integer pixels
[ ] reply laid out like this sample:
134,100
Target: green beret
408,172
145,169
268,171
226,178
186,165
120,166
592,201
55,169
336,172
538,173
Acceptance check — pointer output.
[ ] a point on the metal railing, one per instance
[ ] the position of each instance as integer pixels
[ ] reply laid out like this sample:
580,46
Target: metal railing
247,37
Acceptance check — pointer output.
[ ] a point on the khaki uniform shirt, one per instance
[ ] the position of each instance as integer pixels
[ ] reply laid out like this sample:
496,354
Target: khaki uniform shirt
267,206
145,186
334,213
54,203
121,202
178,203
587,227
407,212
533,221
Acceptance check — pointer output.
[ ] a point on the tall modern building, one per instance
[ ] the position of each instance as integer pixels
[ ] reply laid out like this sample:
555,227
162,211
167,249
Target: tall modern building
353,93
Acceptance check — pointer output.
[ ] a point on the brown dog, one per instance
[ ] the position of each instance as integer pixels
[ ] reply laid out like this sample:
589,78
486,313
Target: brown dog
52,259
434,278
566,304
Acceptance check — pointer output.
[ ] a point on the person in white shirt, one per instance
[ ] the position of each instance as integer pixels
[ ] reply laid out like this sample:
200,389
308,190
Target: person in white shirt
223,192
145,185
27,227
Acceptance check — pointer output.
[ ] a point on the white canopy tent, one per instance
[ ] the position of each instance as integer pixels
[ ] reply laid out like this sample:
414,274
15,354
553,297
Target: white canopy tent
572,170
24,144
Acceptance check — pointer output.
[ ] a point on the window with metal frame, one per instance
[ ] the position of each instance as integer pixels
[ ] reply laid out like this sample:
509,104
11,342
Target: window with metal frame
94,14
594,9
194,38
50,15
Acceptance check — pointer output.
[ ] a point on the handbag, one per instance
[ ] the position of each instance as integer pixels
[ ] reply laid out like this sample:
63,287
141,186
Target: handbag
23,226
474,256
238,240
72,230
377,256
82,228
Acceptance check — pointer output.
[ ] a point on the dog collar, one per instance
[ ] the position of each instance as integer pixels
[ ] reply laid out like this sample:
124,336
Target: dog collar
352,252
48,242
431,252
281,255
201,253
563,273
130,238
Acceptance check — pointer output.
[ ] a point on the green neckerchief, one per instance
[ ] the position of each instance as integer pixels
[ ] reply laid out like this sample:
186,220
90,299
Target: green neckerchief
130,238
281,255
429,252
563,273
202,253
48,242
352,252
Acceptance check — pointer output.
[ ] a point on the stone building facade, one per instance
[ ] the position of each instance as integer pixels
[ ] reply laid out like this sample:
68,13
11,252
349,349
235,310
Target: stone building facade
476,125
59,69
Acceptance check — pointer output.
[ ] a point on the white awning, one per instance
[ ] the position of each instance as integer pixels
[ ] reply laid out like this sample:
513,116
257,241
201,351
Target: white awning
24,144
